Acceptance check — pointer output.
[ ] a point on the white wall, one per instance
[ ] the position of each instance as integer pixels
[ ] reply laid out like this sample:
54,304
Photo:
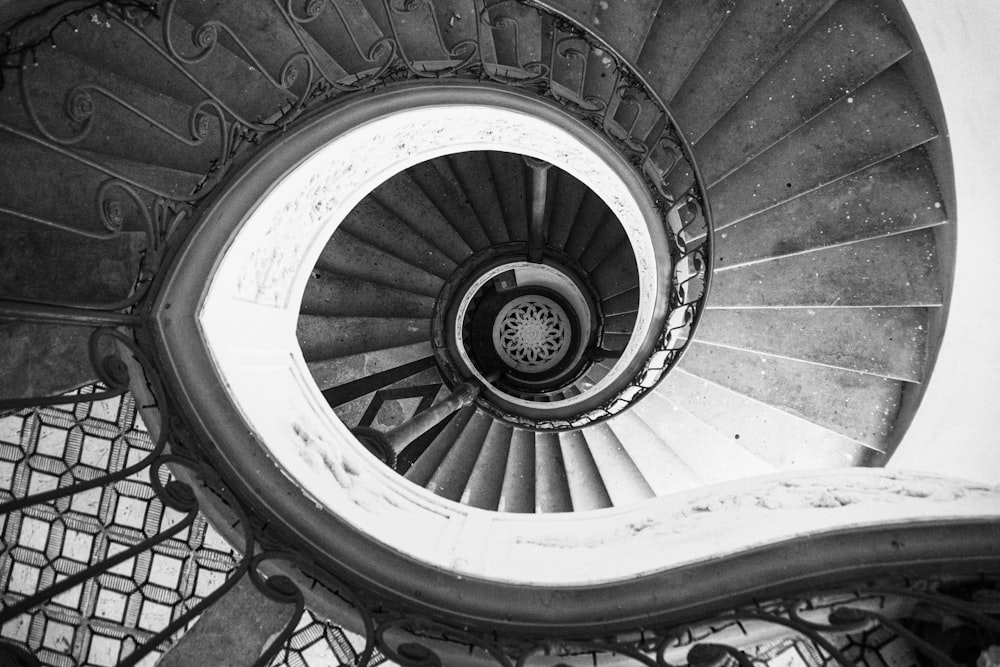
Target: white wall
957,428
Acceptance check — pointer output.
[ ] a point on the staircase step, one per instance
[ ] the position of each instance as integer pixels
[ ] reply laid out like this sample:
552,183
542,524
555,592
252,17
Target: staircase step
348,256
592,215
895,270
406,200
626,302
569,193
517,36
849,45
586,488
616,273
338,295
109,115
776,436
378,226
324,337
551,487
269,38
607,239
889,342
70,200
421,472
52,265
752,39
664,470
621,476
221,76
472,169
711,457
369,371
518,491
892,196
625,25
349,35
859,406
414,28
445,192
623,323
451,477
509,178
882,119
485,484
677,39
43,359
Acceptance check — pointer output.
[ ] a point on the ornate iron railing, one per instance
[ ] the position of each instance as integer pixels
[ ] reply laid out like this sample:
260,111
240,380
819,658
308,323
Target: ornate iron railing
518,43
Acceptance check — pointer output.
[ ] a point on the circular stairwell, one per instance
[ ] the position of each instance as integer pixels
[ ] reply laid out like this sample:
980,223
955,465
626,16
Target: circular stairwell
809,136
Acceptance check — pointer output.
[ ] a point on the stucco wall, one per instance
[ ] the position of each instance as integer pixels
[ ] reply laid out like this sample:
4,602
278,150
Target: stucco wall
957,429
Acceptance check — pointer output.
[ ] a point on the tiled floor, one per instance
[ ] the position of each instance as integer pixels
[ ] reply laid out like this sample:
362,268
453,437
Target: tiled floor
100,621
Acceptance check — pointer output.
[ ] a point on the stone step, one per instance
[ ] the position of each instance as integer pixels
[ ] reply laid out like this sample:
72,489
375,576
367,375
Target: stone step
858,406
888,342
898,270
882,119
848,46
755,36
892,196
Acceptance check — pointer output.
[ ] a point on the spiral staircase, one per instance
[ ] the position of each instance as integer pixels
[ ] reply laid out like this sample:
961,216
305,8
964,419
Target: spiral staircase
489,322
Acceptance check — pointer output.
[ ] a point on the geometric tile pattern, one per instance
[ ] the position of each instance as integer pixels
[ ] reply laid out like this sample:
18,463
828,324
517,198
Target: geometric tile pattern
102,620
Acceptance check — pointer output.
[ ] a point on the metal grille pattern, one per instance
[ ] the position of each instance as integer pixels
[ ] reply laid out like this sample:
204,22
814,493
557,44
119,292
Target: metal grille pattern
101,621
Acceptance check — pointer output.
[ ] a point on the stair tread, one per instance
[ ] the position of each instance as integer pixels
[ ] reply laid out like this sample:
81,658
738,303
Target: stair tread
424,468
616,273
608,237
626,302
776,436
348,34
518,491
342,295
881,119
472,169
892,196
370,370
755,35
591,216
323,337
244,91
451,477
622,478
508,176
407,201
711,457
568,197
485,483
586,487
894,270
517,37
664,470
378,226
126,129
551,486
349,256
859,406
677,39
51,265
69,200
444,191
889,342
848,46
625,25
